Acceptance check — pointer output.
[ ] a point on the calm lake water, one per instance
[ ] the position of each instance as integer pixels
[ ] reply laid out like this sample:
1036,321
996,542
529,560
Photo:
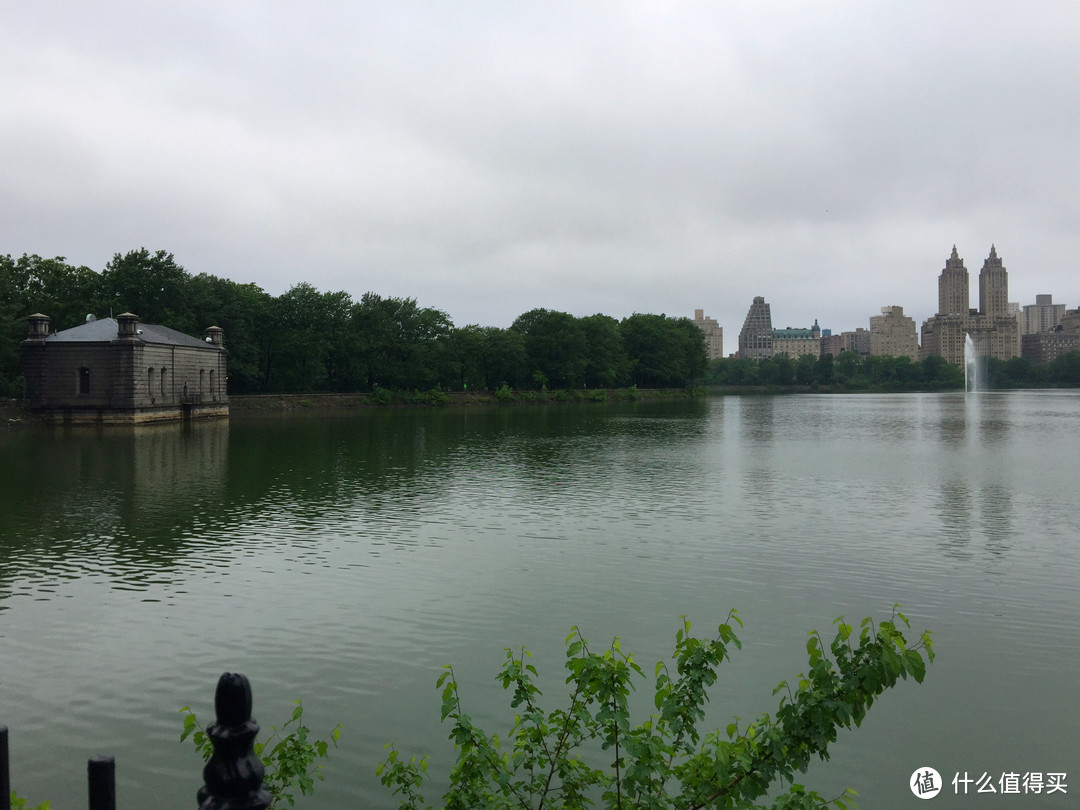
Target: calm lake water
344,559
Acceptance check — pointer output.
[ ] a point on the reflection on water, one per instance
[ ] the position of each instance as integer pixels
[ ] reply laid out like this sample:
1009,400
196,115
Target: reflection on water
123,501
344,559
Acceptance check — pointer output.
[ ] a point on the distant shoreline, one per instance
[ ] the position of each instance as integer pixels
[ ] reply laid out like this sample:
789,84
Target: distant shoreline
12,413
253,404
269,403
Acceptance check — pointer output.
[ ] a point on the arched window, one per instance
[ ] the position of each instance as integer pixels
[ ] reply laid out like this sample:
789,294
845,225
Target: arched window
150,382
163,382
213,391
202,380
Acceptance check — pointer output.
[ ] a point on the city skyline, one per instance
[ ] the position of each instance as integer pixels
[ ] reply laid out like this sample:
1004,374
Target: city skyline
954,298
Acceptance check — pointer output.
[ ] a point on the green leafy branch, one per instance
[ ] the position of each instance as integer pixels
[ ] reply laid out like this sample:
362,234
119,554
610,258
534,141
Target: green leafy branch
19,803
665,761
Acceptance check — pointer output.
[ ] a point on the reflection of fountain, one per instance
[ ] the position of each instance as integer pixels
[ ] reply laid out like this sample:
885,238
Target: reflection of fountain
971,365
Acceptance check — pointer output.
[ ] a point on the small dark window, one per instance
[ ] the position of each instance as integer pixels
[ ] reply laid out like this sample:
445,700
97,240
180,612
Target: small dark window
84,380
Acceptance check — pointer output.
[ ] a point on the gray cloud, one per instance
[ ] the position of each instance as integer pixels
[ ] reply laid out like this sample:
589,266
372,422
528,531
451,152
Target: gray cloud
487,158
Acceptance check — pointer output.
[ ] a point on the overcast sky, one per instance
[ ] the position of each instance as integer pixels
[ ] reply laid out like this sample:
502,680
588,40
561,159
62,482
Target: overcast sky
487,158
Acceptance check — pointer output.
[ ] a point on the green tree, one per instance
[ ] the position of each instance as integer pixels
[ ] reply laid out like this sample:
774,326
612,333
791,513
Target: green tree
403,345
555,348
665,761
938,373
504,359
606,363
32,284
487,357
736,371
301,341
777,370
846,366
12,328
51,286
465,347
243,311
663,351
825,370
805,369
1065,370
697,353
151,285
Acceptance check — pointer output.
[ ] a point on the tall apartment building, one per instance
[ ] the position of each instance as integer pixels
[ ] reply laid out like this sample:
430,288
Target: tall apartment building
993,286
714,334
756,336
1043,315
894,334
1048,345
994,329
954,297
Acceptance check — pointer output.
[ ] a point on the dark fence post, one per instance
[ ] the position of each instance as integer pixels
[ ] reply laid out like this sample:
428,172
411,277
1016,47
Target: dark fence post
5,774
101,774
234,775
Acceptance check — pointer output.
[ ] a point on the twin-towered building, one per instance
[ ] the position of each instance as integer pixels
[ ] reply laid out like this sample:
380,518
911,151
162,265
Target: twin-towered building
994,326
997,327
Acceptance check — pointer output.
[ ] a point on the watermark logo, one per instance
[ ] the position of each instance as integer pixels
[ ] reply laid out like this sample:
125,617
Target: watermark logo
925,783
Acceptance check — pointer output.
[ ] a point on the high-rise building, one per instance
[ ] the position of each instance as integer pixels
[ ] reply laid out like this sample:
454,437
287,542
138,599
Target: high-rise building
894,334
993,286
953,295
993,328
756,337
1043,315
1049,344
714,334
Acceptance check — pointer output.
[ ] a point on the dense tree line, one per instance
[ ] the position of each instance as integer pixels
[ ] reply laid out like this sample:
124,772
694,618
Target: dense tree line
853,372
308,341
847,371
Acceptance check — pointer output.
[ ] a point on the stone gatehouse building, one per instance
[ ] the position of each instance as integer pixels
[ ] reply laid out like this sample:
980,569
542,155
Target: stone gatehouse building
119,371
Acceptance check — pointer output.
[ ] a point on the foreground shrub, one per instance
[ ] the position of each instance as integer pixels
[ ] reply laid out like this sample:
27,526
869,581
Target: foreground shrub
664,762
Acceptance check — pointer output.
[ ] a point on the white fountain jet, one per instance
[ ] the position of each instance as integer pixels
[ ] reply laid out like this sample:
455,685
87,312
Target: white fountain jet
971,365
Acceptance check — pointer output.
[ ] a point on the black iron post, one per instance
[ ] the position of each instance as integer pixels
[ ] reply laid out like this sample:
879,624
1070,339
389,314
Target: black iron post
5,774
234,775
101,775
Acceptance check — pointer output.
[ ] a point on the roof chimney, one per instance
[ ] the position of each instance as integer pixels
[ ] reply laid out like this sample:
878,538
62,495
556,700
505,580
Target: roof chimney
38,326
127,325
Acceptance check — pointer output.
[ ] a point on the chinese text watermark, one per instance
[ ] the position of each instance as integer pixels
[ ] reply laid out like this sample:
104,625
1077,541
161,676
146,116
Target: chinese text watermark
926,783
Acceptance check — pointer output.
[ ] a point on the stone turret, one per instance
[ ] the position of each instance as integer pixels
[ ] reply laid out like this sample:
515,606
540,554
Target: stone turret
37,326
127,326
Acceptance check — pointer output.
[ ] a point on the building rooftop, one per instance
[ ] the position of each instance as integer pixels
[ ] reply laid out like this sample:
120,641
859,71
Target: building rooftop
104,330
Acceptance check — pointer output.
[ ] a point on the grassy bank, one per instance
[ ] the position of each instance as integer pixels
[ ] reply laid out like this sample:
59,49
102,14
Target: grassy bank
385,398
